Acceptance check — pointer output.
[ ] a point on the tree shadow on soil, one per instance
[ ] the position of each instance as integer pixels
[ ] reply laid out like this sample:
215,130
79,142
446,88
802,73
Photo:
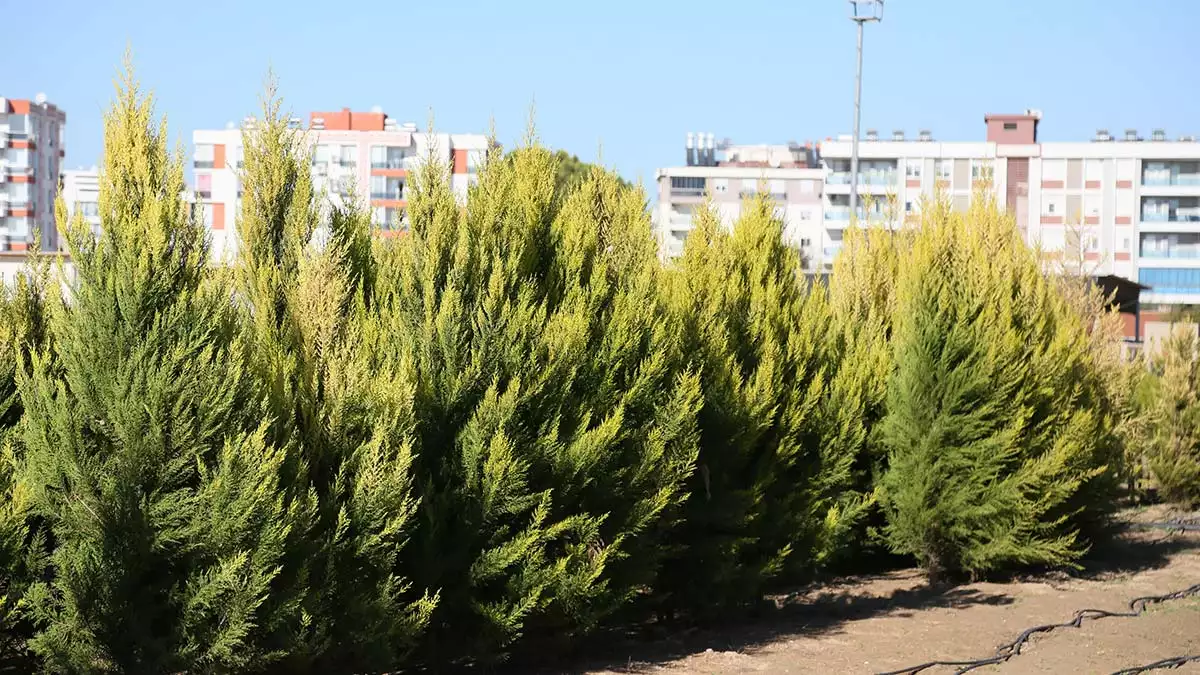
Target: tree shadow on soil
818,610
821,609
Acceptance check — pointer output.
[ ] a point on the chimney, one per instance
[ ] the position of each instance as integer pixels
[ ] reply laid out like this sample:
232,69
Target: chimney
1158,135
898,135
691,153
872,135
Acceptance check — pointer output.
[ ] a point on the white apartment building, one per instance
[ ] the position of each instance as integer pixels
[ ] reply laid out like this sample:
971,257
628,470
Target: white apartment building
31,150
1128,206
366,154
727,173
81,194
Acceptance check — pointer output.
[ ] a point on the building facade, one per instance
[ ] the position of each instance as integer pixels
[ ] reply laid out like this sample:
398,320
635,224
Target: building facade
81,194
1127,207
727,174
367,155
31,152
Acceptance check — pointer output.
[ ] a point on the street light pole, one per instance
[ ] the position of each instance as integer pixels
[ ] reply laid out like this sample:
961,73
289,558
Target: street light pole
861,11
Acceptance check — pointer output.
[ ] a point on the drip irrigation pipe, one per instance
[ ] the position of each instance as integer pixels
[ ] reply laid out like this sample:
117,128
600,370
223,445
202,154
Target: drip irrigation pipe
1173,662
1136,607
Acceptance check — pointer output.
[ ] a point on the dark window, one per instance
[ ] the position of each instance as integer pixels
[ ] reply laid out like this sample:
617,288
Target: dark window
1010,126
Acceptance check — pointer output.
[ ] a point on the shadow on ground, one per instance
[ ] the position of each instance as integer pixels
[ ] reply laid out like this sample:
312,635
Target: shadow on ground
821,609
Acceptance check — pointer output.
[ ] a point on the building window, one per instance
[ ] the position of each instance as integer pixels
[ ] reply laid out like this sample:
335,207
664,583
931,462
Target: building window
348,155
944,168
18,158
720,185
687,186
202,156
88,209
805,214
1050,208
908,207
1092,242
321,154
1125,244
805,242
1010,126
912,169
981,169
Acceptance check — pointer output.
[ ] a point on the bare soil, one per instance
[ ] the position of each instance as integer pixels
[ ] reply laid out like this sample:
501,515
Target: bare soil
883,622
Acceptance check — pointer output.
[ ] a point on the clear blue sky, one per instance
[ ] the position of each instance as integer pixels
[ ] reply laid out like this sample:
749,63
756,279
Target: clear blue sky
630,77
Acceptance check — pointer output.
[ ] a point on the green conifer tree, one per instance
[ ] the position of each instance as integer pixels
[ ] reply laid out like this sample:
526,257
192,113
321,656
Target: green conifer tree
998,448
345,423
554,429
145,456
771,491
1173,452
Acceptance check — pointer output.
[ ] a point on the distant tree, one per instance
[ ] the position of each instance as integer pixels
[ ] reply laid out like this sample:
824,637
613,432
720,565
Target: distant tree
572,171
1174,448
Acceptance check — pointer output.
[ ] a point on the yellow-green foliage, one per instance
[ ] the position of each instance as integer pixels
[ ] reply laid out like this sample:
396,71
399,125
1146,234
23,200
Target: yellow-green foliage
513,424
997,443
1173,452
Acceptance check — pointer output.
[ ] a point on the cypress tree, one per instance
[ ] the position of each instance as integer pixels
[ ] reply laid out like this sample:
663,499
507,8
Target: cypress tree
145,456
1173,452
997,446
346,424
769,495
554,429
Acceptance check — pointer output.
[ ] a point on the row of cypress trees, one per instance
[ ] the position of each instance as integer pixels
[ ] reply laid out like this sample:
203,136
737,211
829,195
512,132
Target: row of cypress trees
513,424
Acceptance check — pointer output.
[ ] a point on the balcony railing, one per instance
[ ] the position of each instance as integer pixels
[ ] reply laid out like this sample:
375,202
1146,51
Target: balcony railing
1188,180
401,163
687,192
1171,218
843,178
393,194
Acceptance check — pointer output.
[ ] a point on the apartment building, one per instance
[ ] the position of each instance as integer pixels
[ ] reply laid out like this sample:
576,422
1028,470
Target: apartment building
31,151
728,173
366,154
81,194
1127,207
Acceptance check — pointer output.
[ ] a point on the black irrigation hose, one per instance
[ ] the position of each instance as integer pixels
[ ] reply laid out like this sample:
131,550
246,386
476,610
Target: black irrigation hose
1136,607
1174,662
1177,525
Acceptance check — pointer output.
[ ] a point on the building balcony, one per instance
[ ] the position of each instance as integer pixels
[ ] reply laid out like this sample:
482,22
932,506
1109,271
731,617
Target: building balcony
775,196
695,194
394,195
1190,180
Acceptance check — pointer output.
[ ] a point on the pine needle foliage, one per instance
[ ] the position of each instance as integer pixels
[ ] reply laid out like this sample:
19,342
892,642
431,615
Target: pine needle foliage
555,429
770,492
997,447
1173,452
144,455
346,426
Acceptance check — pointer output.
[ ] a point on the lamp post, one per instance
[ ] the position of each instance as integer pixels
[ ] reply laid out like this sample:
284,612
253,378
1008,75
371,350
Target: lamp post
861,11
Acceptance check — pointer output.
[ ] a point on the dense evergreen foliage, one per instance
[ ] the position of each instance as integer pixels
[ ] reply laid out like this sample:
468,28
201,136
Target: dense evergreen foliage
513,424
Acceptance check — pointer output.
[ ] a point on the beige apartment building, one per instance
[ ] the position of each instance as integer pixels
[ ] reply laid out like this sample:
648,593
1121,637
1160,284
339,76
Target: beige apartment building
368,155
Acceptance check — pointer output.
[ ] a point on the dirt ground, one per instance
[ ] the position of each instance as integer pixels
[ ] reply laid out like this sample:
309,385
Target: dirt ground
877,623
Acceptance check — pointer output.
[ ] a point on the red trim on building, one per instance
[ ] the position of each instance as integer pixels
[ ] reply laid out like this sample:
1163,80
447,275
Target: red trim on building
913,183
1124,184
1092,220
22,213
1052,185
1124,220
1091,184
218,216
218,156
390,203
459,161
1122,256
20,106
1091,256
22,178
18,246
23,144
390,173
1052,220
